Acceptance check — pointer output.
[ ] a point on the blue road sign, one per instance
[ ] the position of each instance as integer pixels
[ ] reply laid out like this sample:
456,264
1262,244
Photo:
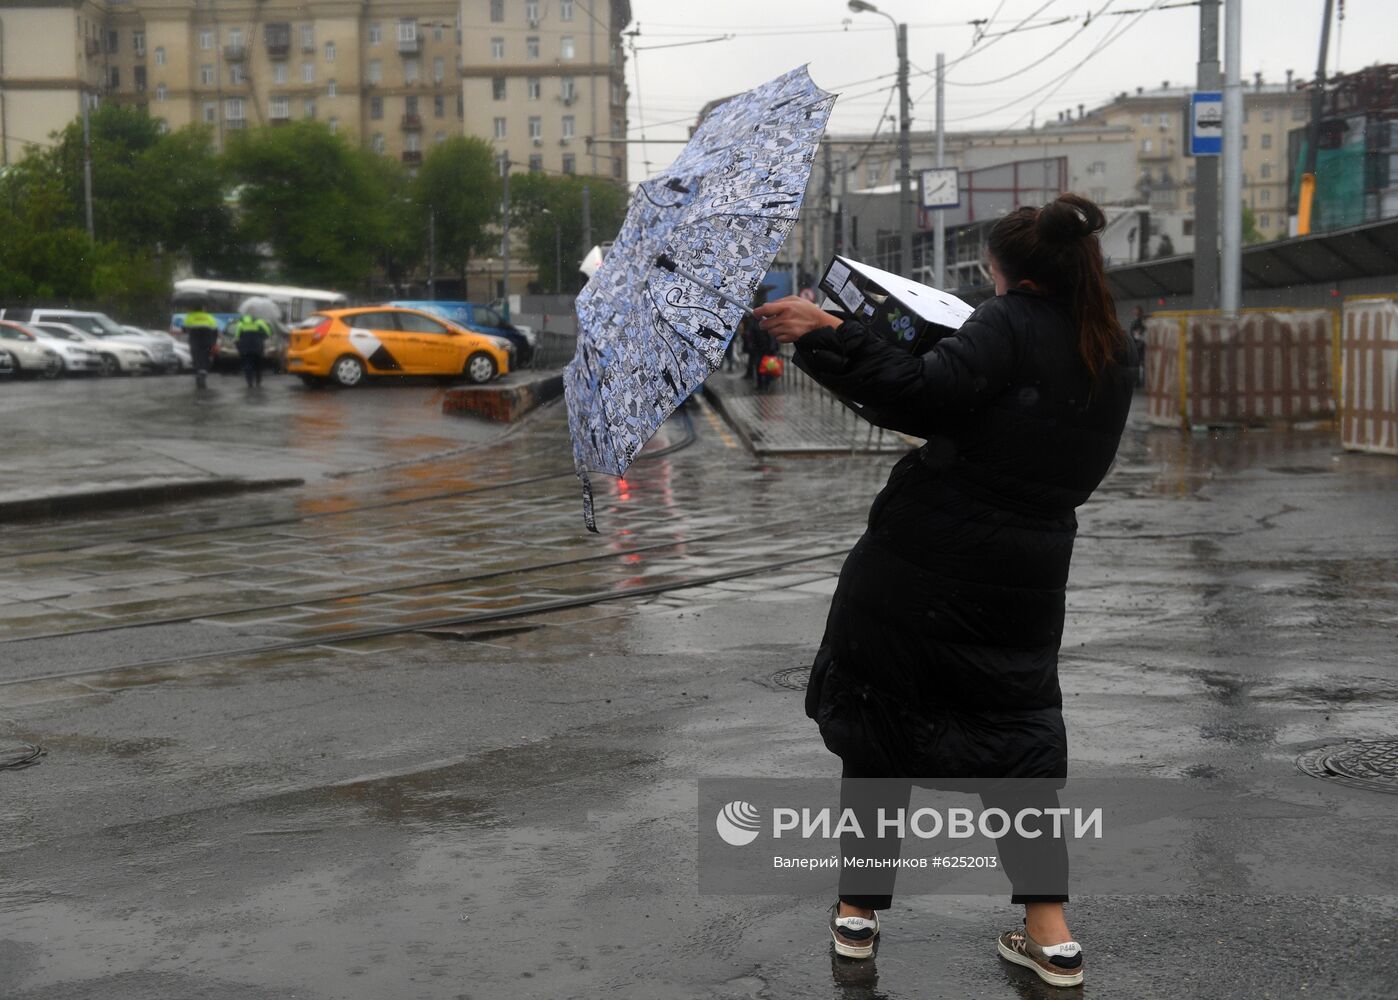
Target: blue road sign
1206,123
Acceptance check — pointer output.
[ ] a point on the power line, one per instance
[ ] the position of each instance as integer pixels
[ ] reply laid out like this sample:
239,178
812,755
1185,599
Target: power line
1087,22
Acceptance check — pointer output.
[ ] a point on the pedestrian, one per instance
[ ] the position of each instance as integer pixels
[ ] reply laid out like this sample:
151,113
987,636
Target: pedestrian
762,346
940,654
1138,338
251,334
201,333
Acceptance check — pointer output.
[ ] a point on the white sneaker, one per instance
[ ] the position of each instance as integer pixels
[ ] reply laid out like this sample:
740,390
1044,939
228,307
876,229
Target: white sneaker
854,936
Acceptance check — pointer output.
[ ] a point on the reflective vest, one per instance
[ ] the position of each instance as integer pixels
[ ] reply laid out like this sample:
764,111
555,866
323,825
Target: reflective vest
251,334
200,320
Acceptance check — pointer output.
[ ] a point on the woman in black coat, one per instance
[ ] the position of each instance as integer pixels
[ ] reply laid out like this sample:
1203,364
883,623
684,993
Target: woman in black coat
940,656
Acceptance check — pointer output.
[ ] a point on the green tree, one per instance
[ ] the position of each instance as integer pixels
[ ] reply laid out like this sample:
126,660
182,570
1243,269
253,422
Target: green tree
459,186
1251,234
320,204
540,201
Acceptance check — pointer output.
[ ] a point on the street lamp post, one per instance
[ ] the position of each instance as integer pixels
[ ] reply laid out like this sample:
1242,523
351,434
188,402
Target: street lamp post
557,251
905,229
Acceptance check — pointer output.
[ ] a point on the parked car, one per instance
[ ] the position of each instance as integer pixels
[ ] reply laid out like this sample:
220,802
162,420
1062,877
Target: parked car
345,345
79,357
32,356
114,357
183,362
99,325
7,364
481,319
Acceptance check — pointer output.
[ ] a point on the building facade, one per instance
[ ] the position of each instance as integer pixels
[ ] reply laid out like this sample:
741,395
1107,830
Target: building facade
537,78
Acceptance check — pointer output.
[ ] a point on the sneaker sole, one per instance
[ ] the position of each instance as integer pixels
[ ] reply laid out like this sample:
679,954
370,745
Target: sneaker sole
1052,978
852,950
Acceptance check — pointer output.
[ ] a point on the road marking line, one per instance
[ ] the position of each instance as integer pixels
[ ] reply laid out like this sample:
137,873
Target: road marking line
716,423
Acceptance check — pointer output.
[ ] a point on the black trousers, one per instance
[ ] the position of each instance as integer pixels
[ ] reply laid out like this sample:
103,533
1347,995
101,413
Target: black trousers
1039,861
252,368
201,347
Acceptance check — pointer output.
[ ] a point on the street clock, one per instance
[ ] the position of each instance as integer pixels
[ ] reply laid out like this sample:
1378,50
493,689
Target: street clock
940,188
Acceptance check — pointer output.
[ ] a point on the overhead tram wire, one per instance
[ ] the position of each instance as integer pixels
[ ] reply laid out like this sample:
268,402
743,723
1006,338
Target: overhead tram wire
1087,23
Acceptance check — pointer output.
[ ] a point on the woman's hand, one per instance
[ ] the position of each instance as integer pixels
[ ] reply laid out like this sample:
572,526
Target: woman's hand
793,317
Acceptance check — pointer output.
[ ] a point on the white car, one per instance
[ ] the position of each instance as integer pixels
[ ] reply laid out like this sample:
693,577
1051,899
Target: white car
31,355
77,355
183,360
115,357
99,325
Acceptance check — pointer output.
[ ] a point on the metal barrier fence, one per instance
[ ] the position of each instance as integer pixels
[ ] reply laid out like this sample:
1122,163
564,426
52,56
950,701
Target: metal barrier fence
1266,366
1369,363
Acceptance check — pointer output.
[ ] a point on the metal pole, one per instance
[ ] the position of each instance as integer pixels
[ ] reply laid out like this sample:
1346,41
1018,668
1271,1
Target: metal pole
1306,206
557,260
586,219
1206,172
87,169
939,229
845,247
1230,270
827,229
905,235
505,244
431,255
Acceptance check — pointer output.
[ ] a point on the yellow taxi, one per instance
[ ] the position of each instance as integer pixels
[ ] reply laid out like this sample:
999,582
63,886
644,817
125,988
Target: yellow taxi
347,345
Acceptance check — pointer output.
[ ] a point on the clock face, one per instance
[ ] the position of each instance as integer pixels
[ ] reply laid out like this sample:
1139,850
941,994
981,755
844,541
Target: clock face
940,188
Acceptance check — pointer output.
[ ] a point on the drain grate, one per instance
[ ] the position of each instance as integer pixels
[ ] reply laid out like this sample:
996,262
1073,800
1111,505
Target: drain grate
793,678
1371,764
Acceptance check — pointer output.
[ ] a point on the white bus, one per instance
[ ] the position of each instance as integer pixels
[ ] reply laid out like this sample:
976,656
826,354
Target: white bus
296,303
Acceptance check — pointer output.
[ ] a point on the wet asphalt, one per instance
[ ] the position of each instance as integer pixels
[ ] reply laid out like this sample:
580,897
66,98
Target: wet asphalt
408,731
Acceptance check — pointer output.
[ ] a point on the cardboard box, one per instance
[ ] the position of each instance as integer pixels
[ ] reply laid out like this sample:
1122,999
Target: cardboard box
908,315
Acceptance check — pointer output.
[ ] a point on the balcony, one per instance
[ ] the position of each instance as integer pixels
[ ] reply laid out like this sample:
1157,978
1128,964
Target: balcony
234,53
412,123
412,156
410,46
278,49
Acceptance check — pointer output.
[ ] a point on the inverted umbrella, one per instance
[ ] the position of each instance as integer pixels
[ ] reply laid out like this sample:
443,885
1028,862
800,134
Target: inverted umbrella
260,307
656,317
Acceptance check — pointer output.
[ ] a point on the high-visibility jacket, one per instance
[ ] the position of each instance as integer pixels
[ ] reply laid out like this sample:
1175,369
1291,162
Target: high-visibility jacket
200,320
251,334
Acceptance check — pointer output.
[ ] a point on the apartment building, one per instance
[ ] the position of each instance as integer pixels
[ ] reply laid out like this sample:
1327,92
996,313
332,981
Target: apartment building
540,78
537,77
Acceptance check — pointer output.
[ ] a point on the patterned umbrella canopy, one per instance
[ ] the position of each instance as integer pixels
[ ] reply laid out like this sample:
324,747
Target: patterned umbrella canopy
650,334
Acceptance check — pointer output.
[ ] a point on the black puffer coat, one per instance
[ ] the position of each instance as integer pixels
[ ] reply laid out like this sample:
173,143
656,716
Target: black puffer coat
940,656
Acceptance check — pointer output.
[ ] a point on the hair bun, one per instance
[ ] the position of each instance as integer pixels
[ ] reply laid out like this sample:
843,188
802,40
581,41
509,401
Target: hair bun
1068,218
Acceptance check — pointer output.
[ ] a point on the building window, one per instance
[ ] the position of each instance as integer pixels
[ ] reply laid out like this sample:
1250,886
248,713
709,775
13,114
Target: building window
460,105
1187,226
499,128
308,72
308,107
531,11
497,11
531,47
618,128
280,107
531,86
570,163
140,74
1266,114
138,42
1266,140
1266,196
569,129
565,10
235,75
618,168
1264,221
565,47
412,142
536,163
308,38
1145,118
279,72
439,106
439,69
329,51
1189,198
333,124
375,72
332,89
410,106
536,127
210,112
411,68
618,92
1298,113
497,88
439,138
378,143
375,33
206,75
1266,170
235,38
376,107
407,30
233,111
497,48
113,39
1146,145
1164,120
160,55
1247,115
436,32
1245,140
567,88
114,78
206,39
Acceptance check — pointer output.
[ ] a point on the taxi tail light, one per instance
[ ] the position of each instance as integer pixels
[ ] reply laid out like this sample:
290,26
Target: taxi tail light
319,332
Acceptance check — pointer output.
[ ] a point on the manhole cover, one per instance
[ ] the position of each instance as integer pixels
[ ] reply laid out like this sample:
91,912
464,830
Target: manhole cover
792,677
1371,764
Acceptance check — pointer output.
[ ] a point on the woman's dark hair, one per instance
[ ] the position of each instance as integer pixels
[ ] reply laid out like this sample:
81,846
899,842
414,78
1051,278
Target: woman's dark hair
1056,248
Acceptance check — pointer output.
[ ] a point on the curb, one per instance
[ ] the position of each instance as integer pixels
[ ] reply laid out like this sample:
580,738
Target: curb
91,501
736,426
503,403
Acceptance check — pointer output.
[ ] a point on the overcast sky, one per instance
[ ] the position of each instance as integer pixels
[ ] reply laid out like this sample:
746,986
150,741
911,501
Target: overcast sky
843,49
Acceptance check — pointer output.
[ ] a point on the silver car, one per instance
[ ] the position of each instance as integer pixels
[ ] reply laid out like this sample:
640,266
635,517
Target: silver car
113,357
79,358
32,356
7,363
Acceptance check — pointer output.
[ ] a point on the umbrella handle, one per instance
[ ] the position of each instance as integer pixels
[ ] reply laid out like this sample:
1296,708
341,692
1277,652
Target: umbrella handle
668,263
